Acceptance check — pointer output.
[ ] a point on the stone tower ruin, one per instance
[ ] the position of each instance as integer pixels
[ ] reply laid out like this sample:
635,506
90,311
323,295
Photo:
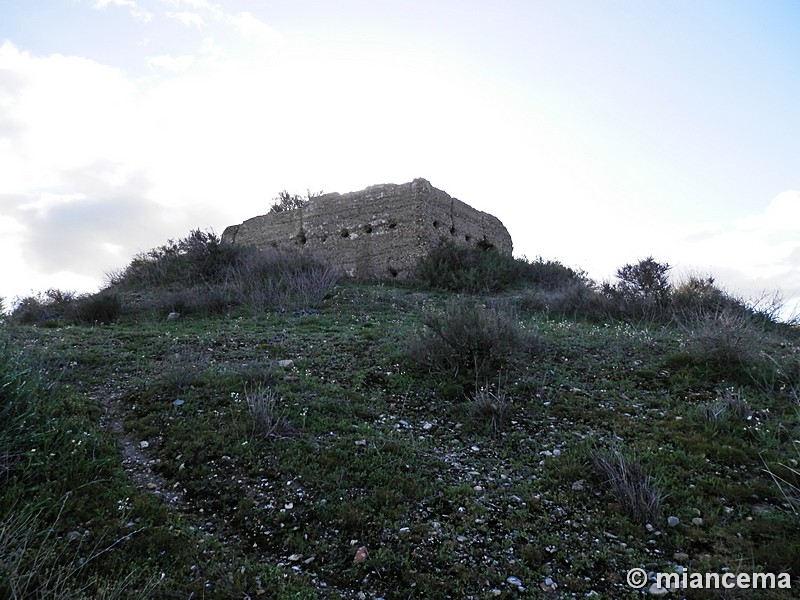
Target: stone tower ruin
376,233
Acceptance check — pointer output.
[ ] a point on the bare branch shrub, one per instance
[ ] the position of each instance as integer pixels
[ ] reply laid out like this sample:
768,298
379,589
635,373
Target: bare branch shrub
273,278
730,406
492,409
725,337
633,488
182,369
577,298
269,419
466,338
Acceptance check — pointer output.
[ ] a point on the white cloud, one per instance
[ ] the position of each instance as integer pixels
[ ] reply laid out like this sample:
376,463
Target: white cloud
63,113
254,29
171,63
751,255
135,10
190,3
48,200
188,18
781,215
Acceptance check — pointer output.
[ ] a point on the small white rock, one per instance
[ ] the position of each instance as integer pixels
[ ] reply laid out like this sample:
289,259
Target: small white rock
144,444
655,590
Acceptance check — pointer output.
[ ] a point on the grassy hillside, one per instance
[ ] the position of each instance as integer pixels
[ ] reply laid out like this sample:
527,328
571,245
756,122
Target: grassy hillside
395,441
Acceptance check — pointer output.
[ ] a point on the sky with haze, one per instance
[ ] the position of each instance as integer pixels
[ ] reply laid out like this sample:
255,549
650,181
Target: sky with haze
600,133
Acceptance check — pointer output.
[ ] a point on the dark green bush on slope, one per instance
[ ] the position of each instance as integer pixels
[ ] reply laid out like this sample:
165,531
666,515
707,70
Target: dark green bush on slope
642,290
467,269
55,307
469,340
472,269
200,274
199,258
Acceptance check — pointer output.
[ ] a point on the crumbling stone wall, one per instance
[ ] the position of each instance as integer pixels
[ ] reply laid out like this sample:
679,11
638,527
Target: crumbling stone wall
379,232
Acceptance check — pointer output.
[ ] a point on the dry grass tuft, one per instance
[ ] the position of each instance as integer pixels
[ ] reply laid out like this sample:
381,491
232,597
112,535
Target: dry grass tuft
631,485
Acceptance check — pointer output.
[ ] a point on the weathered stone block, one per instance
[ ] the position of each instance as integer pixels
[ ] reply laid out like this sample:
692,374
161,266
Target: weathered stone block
379,232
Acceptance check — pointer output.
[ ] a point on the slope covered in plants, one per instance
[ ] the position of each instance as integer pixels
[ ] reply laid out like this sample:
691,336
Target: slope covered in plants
532,435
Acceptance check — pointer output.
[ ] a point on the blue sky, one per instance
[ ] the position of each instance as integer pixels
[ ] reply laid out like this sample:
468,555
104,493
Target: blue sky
598,132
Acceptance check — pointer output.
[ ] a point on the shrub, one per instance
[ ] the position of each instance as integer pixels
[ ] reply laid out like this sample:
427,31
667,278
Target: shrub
182,370
696,294
643,290
199,258
280,279
268,419
469,269
730,407
577,299
286,201
259,372
491,410
50,307
196,300
633,488
468,339
647,280
98,308
549,275
727,338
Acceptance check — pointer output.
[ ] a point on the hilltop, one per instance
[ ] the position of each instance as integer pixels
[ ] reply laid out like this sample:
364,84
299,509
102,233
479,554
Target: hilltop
495,428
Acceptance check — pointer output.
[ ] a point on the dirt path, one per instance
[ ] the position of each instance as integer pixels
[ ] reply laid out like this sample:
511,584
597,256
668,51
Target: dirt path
135,460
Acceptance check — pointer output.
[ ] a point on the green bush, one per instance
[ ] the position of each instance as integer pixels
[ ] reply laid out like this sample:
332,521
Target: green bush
728,338
642,290
201,275
549,275
49,308
467,269
698,295
199,258
98,308
467,339
56,307
648,279
286,201
575,299
272,278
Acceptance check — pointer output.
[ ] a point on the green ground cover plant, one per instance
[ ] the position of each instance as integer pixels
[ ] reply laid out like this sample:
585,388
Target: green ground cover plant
392,441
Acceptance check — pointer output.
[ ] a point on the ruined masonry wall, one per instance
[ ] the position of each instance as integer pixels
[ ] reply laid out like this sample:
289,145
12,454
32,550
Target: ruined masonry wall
379,232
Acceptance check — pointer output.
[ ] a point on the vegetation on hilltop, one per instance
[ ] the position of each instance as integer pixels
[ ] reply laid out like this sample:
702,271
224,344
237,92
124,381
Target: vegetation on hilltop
499,424
286,201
